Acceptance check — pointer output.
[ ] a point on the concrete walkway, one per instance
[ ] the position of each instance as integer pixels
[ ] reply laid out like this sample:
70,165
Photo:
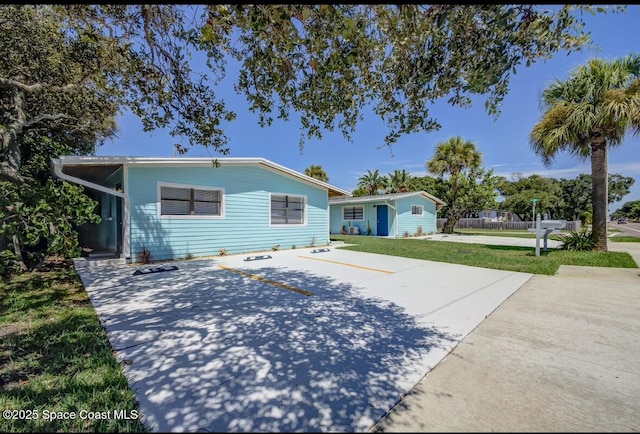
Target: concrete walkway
492,240
561,354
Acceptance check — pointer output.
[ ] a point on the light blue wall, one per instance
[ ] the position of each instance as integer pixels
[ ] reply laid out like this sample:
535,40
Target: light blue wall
405,220
409,223
370,218
337,222
246,223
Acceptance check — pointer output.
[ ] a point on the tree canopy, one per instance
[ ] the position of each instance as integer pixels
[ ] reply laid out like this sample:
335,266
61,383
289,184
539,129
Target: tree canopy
586,114
68,71
317,172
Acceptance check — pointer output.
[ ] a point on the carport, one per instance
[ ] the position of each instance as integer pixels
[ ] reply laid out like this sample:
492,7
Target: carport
300,341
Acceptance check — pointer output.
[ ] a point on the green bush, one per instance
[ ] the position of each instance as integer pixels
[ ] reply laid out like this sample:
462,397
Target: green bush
577,241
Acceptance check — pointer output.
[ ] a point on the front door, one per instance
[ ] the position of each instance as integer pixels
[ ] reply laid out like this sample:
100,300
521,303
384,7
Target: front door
383,221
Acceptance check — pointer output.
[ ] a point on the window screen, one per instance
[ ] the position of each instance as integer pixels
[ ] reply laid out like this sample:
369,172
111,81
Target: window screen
189,201
353,213
287,210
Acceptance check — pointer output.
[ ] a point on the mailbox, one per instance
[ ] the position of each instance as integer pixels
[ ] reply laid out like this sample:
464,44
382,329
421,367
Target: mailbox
553,224
544,228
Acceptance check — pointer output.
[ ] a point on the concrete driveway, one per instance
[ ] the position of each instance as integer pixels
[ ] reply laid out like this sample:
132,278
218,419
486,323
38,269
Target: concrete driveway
301,341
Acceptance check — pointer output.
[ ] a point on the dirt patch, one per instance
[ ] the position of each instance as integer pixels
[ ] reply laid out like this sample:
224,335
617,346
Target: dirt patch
13,329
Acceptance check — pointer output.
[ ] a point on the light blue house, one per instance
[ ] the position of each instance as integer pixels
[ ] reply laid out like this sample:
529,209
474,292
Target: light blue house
180,207
387,215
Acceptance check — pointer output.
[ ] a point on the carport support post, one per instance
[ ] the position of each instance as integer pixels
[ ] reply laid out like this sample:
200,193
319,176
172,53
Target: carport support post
538,234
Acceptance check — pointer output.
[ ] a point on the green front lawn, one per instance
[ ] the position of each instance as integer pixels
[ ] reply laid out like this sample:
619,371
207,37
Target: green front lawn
55,357
624,239
510,258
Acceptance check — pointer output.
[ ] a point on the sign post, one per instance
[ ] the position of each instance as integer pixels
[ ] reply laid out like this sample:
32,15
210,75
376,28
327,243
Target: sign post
533,212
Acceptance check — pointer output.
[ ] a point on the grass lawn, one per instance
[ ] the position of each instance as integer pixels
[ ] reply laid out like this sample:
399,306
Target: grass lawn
55,357
624,239
488,256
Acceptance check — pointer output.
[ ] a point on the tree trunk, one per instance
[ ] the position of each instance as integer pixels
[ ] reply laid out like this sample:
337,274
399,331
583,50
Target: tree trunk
449,224
17,249
599,196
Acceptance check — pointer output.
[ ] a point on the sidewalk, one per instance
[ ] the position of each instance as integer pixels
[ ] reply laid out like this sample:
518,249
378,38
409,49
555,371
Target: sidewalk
561,354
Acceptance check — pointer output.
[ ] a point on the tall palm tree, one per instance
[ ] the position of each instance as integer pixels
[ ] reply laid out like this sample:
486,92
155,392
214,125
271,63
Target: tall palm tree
585,115
454,155
372,182
398,181
316,172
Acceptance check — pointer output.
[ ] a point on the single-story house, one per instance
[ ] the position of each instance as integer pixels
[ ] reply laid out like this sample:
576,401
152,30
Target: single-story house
498,215
189,207
387,215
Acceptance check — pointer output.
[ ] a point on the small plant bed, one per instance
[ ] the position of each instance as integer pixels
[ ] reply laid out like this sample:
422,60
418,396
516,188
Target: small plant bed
625,239
55,357
509,258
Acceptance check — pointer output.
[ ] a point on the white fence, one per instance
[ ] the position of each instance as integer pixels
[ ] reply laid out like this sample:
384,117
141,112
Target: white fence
481,223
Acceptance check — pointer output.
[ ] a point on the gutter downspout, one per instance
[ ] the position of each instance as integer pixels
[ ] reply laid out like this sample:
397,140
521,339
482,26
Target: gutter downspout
57,170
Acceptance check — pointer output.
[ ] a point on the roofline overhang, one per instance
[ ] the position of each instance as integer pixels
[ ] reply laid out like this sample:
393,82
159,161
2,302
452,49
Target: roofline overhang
57,170
381,198
197,162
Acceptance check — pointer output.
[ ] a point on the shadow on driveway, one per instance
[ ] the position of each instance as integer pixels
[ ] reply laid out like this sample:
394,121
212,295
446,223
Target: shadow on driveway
210,350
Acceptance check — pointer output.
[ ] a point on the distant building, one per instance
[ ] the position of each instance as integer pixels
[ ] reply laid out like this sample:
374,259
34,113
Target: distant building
498,215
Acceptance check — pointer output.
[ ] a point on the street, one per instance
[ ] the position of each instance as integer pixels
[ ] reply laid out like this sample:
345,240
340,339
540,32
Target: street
628,229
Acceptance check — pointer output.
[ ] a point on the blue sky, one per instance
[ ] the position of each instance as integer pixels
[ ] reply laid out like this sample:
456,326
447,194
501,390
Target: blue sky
504,142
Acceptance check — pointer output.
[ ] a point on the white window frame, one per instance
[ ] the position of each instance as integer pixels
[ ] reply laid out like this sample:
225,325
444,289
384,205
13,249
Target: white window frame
289,225
188,216
421,210
353,220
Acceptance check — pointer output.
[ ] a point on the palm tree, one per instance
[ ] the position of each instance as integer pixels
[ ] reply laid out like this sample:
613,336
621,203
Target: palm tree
585,115
316,172
454,155
398,181
372,182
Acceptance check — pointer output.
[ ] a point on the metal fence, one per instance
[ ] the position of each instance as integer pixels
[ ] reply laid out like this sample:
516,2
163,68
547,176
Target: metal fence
480,223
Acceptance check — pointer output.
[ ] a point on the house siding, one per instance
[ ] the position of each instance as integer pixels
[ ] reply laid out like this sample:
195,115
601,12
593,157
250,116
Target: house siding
245,225
337,222
398,225
408,222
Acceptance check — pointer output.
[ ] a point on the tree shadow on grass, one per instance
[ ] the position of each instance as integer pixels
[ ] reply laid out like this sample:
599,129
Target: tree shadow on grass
214,350
66,365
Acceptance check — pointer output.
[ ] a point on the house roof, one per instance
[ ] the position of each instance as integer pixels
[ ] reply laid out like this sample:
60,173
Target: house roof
385,197
93,161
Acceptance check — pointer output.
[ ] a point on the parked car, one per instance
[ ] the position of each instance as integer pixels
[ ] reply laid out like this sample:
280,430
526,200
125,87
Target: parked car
623,221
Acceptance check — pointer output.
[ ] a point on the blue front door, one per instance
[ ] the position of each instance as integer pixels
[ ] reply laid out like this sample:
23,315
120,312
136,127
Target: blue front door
383,221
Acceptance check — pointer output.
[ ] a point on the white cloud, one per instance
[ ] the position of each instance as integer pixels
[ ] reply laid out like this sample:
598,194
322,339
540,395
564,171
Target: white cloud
626,169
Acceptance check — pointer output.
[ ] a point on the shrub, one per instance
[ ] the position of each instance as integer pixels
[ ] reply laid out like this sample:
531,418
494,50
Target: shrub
575,240
144,256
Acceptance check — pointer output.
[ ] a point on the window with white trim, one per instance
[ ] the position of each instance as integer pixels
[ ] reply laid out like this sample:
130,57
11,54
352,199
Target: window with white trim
417,209
186,201
287,209
355,212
